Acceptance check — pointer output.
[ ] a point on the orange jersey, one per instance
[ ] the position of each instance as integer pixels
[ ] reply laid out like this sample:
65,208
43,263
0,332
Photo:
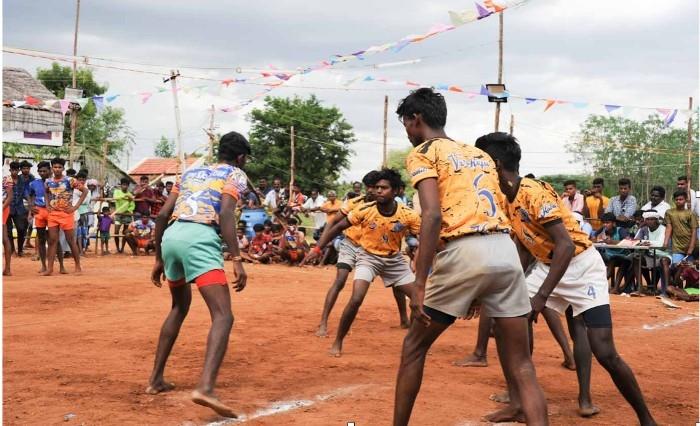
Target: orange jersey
354,233
536,205
593,205
382,235
470,198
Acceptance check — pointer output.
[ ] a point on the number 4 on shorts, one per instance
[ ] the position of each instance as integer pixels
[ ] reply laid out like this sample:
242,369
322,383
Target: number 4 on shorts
591,291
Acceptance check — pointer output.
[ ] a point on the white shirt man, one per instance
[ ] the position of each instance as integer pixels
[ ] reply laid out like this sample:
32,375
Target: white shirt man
312,206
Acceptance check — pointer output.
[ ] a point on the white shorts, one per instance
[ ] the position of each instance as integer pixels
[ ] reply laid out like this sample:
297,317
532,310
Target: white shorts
394,270
583,286
347,254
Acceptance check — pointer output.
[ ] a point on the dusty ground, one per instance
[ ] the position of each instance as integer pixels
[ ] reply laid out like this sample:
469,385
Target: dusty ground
83,346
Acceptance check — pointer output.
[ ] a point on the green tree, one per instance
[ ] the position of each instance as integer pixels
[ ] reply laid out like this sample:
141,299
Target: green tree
322,141
557,181
396,159
647,152
165,148
93,129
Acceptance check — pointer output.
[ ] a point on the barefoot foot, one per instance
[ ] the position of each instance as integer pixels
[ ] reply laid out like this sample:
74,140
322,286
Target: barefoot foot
63,271
472,360
214,403
503,398
158,387
6,273
46,273
322,331
508,414
336,350
405,324
588,410
569,364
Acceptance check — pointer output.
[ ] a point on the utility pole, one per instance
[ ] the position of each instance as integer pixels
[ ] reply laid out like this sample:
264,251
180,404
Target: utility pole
212,138
73,112
180,152
292,167
500,65
512,123
690,142
386,110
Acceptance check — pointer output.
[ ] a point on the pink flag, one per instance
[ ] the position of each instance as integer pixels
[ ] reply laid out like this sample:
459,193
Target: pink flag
145,96
550,103
64,105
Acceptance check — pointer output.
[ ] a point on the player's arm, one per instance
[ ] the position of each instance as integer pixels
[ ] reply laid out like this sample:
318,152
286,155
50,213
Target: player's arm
227,219
523,254
693,236
339,226
10,196
562,254
431,219
162,223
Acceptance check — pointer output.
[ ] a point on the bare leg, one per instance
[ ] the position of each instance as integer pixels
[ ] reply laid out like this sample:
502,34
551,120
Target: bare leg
410,376
181,299
131,241
603,346
583,356
340,277
51,250
359,290
41,247
401,304
218,301
527,398
70,238
478,357
555,326
7,250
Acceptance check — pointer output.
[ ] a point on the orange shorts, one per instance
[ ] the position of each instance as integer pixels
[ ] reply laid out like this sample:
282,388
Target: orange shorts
213,277
61,220
142,242
41,219
5,214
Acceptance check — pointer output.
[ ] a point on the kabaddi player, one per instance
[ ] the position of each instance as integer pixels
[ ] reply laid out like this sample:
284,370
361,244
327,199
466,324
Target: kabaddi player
200,207
38,210
569,276
461,205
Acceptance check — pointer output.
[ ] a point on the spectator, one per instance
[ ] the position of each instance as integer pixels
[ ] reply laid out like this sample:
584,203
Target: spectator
273,199
571,197
657,202
143,197
653,234
159,199
357,188
25,167
296,201
585,226
141,234
18,211
313,206
260,249
401,195
623,205
292,244
331,207
681,229
595,204
692,195
168,188
612,234
123,210
81,215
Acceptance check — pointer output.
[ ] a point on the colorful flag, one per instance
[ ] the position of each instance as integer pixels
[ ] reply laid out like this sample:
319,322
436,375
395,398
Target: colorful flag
670,117
550,103
610,108
99,103
64,103
483,13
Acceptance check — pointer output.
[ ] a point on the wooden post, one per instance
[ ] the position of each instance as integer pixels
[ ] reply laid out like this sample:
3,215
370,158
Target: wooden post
292,167
512,123
210,157
688,162
500,66
180,151
73,113
386,111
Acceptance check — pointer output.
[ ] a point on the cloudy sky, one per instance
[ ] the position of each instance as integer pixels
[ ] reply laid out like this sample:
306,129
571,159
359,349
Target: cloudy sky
629,52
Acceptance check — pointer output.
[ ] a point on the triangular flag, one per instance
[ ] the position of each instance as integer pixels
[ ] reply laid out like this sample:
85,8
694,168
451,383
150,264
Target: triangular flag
442,87
32,100
471,94
669,118
483,91
455,89
368,78
99,102
580,104
111,99
483,13
50,103
550,103
412,83
226,82
64,103
611,108
145,96
664,111
400,45
530,100
18,103
82,102
265,74
161,89
491,5
461,18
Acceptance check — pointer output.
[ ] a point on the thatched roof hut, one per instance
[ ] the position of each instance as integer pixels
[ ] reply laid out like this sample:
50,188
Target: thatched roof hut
30,124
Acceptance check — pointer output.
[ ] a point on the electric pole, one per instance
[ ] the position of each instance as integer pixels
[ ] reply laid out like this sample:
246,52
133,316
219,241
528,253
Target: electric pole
386,110
212,137
688,163
73,112
180,152
500,65
292,168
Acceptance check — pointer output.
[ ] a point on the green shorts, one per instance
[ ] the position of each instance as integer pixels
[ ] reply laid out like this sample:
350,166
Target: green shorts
123,219
104,236
189,250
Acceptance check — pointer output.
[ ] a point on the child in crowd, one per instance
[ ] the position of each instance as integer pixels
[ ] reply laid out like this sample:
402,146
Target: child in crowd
260,249
610,233
267,228
292,243
242,239
105,222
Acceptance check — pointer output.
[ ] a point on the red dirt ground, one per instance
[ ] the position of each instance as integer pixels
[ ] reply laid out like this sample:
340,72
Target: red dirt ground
84,345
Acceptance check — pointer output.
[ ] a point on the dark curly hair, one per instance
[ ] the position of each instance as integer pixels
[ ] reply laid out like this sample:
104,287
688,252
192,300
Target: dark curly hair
426,102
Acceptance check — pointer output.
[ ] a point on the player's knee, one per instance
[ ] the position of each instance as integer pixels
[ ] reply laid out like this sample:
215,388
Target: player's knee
225,319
